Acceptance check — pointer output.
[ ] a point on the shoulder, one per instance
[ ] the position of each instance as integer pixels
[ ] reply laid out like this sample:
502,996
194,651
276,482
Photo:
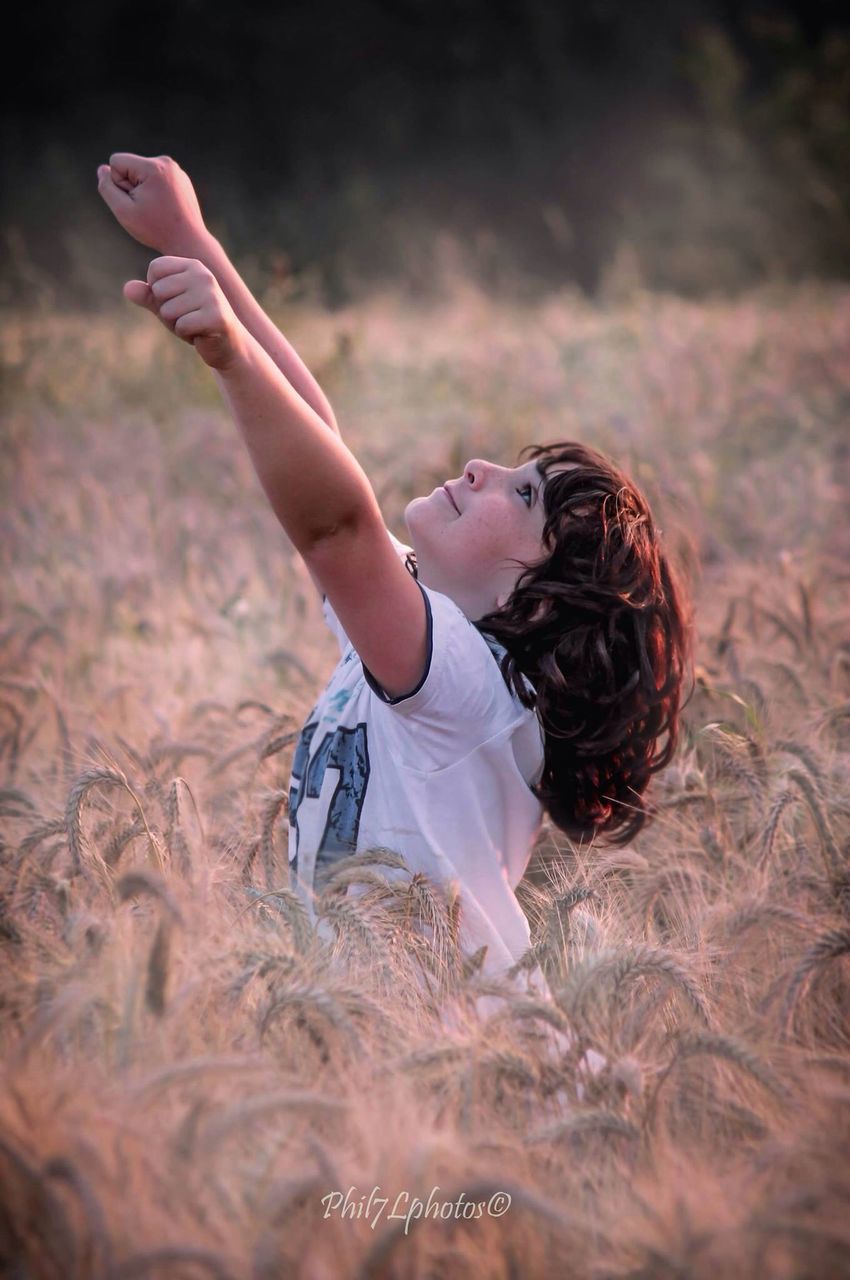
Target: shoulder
459,661
461,700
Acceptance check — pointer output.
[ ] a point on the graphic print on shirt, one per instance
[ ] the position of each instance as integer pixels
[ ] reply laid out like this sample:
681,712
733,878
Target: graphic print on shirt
299,760
346,749
336,704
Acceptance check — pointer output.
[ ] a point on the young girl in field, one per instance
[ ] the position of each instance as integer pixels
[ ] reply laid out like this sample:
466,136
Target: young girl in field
528,656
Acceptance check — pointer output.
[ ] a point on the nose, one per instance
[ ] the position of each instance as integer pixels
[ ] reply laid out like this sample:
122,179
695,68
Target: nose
475,471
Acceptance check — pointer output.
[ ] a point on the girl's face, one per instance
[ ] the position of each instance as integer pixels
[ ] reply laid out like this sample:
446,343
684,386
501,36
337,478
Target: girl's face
470,534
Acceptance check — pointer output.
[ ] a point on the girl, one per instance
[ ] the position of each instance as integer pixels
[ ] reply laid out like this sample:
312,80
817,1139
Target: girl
526,652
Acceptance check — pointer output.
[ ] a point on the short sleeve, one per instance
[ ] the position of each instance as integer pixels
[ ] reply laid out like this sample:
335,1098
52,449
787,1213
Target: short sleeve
460,699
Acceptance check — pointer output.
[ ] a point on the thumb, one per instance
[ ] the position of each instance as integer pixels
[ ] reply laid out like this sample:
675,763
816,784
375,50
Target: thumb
141,294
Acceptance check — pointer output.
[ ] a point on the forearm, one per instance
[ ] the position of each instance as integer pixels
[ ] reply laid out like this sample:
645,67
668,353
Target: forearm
209,251
314,483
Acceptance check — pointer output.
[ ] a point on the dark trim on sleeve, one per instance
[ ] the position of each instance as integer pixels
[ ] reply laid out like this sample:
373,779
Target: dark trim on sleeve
429,642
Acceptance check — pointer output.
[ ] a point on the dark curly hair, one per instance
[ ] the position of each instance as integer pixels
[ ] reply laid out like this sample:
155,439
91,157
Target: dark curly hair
603,629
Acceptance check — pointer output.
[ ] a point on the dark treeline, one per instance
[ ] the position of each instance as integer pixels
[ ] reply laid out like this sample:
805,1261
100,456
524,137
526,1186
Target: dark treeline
700,145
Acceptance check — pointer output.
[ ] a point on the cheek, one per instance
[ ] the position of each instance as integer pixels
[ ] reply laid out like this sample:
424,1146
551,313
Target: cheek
488,537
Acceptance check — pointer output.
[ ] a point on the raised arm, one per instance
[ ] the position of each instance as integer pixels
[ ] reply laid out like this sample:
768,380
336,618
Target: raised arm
154,200
316,486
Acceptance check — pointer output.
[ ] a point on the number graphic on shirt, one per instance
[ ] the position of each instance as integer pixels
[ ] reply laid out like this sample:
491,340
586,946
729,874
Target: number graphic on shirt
299,760
345,750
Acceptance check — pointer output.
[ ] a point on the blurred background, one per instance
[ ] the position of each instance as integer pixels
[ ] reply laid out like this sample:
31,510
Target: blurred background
696,147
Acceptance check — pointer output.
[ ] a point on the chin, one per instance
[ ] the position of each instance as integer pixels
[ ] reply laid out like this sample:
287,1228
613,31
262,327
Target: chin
412,512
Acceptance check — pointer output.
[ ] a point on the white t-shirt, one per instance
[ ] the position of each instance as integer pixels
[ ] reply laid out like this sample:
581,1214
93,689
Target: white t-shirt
441,775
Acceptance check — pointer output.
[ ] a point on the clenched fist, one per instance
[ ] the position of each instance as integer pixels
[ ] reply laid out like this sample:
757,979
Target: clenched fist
154,200
185,296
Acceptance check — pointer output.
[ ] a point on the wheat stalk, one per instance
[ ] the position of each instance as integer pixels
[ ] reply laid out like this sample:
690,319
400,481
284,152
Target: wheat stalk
616,968
503,1062
526,1007
440,1056
38,835
732,1050
748,914
807,757
206,705
153,1263
13,737
337,1007
832,858
277,801
261,964
348,919
143,882
15,803
287,903
780,804
42,1224
116,846
342,876
788,673
73,817
277,743
139,881
433,913
784,628
191,1069
244,1113
174,753
595,1121
65,1170
73,813
831,944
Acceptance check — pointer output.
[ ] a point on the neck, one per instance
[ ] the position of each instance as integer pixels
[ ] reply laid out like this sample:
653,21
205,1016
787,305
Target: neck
474,604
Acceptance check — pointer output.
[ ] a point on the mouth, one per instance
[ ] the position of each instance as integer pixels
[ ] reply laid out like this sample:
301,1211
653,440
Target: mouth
451,499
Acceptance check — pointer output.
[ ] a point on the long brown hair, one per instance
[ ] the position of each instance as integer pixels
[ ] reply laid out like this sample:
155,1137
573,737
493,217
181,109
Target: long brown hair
602,627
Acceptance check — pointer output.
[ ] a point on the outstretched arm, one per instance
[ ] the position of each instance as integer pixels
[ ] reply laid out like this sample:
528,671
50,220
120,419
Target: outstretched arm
154,201
316,486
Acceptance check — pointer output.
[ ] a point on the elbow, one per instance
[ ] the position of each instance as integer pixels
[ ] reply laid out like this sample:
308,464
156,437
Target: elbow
337,540
321,537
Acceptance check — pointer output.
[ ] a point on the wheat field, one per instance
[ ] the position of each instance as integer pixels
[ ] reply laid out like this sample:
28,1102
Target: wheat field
192,1079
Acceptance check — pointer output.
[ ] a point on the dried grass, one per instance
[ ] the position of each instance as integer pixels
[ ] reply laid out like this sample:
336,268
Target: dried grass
188,1064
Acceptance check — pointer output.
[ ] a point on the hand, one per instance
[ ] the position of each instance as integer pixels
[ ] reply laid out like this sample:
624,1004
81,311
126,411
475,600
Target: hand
154,200
185,296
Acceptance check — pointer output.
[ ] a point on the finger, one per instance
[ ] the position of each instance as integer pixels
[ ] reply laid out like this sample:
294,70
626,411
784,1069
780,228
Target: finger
141,294
190,326
114,196
129,167
170,286
172,310
166,266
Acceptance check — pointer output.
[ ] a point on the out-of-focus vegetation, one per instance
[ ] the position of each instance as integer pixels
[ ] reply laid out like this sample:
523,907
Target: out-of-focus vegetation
186,1069
695,148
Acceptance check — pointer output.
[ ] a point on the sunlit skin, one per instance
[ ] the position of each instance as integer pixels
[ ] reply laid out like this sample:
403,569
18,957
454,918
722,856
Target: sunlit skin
474,536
